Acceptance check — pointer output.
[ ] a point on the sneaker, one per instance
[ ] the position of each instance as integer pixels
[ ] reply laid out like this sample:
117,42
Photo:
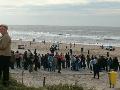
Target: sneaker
59,72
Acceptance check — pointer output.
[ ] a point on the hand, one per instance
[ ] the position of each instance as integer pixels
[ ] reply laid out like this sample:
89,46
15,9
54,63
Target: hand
0,35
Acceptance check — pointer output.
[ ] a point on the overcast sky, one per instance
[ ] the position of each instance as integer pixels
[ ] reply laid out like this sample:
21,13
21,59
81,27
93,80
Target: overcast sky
60,12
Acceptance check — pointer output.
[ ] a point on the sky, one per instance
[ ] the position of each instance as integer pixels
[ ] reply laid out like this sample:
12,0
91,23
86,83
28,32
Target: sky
60,12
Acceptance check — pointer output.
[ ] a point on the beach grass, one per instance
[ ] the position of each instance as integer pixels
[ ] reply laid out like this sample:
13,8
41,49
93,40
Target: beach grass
14,85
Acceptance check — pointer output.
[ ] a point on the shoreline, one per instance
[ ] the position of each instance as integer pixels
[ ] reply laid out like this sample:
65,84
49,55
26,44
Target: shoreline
64,42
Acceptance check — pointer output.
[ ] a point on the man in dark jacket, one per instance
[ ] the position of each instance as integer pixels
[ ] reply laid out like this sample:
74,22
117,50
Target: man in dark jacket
67,57
96,69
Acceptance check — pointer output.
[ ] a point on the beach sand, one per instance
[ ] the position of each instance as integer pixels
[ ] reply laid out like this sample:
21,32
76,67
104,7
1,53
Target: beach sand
82,77
44,48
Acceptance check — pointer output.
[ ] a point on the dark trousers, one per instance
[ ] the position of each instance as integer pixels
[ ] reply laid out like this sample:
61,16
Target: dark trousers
59,66
96,73
12,65
63,64
67,63
4,68
25,65
18,62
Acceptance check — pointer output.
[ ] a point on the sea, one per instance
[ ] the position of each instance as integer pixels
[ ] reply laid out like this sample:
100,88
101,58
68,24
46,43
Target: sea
87,35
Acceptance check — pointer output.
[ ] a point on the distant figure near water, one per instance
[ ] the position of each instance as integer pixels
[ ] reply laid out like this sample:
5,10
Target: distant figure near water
5,54
70,45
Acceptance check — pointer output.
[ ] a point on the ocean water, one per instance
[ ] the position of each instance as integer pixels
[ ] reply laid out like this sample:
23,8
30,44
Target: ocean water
88,35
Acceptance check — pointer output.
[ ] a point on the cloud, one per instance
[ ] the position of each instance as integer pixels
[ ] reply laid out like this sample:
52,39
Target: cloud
108,1
51,2
41,2
107,12
66,11
95,8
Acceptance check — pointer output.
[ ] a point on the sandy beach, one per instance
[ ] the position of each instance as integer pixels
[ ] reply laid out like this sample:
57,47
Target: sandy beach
44,48
82,77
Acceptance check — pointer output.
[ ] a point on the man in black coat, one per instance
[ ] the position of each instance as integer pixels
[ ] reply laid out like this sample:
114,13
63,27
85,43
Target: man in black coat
96,69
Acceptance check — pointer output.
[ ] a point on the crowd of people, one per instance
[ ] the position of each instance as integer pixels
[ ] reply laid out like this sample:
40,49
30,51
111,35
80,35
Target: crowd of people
57,61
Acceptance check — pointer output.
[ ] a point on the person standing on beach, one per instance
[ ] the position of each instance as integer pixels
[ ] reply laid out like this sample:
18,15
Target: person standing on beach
18,59
88,60
67,57
59,61
70,45
5,54
96,67
71,51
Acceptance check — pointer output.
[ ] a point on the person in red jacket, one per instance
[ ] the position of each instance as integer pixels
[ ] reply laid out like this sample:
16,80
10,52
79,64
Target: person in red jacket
58,62
62,60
